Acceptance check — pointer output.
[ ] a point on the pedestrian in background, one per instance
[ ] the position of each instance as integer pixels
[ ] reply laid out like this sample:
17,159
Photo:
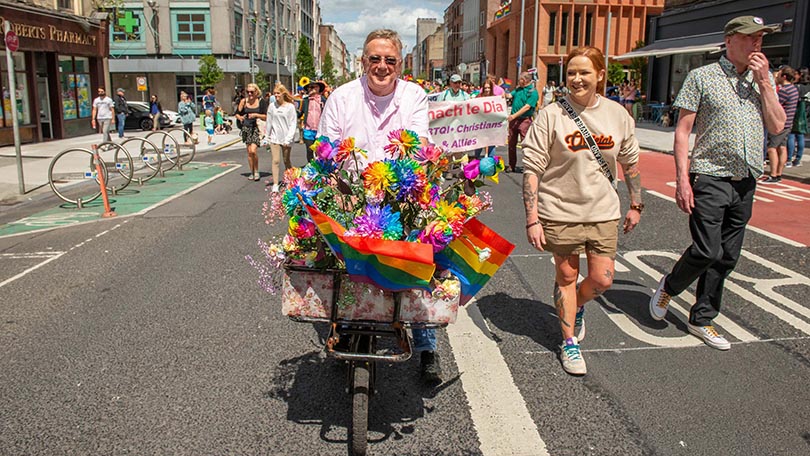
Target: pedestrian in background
250,111
548,93
155,112
357,109
571,202
209,126
454,92
121,111
102,114
788,96
524,102
282,124
310,113
209,100
188,114
732,102
795,140
486,91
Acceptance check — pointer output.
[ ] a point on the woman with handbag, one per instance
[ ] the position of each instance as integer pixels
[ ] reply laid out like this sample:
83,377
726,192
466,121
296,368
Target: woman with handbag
282,124
250,111
572,206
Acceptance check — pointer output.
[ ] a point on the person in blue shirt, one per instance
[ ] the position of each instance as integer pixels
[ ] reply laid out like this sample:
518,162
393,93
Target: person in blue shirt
155,111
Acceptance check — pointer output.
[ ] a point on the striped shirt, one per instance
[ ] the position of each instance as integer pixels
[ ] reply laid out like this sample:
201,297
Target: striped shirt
788,98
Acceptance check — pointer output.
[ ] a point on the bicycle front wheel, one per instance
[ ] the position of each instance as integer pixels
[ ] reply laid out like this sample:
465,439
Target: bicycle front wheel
358,435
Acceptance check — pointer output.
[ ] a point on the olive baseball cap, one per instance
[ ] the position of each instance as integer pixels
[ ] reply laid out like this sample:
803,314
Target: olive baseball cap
747,25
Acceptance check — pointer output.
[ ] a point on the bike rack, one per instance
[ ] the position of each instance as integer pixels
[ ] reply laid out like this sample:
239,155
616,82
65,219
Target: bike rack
145,159
125,169
89,173
166,149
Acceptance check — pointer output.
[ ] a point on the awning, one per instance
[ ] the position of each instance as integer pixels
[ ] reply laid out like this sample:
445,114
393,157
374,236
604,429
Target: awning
697,44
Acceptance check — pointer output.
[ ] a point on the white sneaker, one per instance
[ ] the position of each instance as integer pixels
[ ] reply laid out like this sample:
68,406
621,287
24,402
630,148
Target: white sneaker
275,188
571,358
709,336
579,324
659,301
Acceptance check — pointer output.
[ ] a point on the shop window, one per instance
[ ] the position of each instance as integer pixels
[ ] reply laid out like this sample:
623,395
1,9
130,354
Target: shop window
187,83
23,105
66,4
74,79
552,27
128,32
191,31
238,31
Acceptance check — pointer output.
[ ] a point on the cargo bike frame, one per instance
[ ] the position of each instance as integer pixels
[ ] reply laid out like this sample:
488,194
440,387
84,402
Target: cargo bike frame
362,352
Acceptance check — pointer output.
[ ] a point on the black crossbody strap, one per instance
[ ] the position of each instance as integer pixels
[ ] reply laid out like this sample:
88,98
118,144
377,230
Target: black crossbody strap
589,139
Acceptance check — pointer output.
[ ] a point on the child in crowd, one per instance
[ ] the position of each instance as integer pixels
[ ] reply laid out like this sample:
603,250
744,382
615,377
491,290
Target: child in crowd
219,121
209,126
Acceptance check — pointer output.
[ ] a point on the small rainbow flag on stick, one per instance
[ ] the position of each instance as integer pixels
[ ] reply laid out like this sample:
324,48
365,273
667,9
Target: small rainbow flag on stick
506,84
474,257
390,265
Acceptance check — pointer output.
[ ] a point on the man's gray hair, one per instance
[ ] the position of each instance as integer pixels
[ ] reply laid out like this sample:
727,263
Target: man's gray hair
525,76
384,34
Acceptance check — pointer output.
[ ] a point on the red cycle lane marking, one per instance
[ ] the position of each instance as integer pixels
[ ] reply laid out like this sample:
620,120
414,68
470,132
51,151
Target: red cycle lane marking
780,208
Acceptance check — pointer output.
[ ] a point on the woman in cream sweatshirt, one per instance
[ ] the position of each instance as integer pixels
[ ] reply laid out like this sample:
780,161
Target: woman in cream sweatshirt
572,206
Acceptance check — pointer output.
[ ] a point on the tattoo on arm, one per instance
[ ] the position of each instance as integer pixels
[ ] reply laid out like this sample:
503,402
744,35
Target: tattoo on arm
632,178
597,292
559,303
529,196
609,274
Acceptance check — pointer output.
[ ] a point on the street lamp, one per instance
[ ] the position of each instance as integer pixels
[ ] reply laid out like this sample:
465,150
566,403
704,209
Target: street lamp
253,15
153,5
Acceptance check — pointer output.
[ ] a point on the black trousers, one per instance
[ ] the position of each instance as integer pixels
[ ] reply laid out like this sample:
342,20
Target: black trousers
722,210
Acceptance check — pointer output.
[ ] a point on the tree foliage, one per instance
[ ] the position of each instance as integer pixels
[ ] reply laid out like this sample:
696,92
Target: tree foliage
210,72
328,72
615,74
264,81
304,62
639,67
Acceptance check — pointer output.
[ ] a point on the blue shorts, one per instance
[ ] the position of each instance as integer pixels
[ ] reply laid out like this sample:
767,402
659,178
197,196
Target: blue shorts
210,131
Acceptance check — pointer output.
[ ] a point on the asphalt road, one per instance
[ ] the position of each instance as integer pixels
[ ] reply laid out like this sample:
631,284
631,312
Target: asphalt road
149,335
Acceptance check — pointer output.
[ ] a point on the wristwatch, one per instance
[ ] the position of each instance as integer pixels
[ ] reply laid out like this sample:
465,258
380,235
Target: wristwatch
639,207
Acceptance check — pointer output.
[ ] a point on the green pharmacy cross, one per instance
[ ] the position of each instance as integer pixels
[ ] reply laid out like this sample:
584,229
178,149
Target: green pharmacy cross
129,22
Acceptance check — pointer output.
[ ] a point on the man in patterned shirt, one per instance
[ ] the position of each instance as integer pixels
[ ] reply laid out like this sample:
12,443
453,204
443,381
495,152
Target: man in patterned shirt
732,102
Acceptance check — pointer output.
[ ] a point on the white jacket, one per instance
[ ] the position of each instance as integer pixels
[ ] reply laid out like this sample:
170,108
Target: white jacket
281,123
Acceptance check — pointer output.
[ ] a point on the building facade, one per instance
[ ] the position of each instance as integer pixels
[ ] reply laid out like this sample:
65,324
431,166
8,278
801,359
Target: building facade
691,36
562,26
425,26
59,64
453,38
434,54
331,43
160,42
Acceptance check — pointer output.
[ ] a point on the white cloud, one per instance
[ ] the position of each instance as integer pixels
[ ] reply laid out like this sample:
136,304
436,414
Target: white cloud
354,19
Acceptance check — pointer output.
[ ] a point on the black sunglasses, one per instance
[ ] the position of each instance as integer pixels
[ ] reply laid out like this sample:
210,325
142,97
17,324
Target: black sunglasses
376,59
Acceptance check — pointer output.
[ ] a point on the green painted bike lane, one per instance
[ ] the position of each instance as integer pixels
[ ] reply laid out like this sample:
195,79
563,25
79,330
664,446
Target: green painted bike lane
132,200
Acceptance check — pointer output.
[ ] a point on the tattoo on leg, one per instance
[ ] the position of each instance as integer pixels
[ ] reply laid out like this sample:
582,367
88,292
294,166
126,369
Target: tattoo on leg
559,303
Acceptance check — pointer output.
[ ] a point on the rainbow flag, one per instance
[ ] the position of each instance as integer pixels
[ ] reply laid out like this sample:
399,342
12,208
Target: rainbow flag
506,84
390,265
474,257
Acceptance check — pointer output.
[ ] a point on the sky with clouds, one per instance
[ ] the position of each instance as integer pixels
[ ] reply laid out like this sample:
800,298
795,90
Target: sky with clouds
354,19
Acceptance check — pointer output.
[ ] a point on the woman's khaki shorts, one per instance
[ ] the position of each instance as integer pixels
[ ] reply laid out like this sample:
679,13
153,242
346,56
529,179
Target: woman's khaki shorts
565,239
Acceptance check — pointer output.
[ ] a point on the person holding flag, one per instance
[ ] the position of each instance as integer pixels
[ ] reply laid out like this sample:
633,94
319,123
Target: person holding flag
367,109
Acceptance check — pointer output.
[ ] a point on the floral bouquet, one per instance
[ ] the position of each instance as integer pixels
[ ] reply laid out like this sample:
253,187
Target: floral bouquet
389,224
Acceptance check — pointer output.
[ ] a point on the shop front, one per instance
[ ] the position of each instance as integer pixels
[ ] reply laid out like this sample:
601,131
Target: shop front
58,66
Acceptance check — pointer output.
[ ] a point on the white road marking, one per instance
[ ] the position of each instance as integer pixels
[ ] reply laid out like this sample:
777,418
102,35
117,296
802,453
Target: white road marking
51,256
498,411
634,258
23,256
632,349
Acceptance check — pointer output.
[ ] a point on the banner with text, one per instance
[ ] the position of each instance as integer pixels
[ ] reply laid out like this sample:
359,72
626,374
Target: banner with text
467,125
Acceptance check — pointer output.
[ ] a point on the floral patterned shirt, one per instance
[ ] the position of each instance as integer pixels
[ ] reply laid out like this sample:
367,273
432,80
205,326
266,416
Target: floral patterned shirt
730,129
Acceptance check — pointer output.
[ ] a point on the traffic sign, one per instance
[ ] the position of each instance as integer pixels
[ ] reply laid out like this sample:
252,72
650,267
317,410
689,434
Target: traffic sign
141,83
254,69
12,41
